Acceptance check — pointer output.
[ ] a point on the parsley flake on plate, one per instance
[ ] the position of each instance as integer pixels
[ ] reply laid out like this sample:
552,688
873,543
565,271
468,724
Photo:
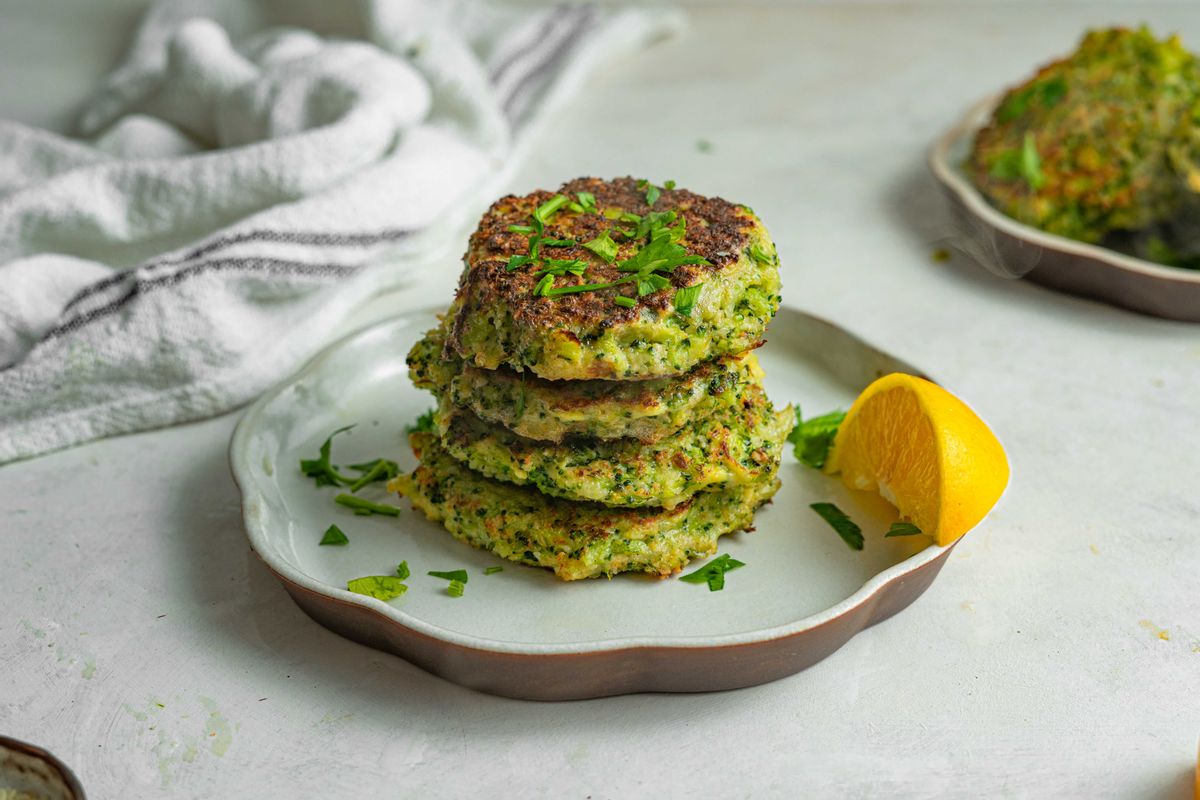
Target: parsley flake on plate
903,529
334,535
324,473
372,471
846,528
451,575
713,573
457,578
321,469
381,587
365,508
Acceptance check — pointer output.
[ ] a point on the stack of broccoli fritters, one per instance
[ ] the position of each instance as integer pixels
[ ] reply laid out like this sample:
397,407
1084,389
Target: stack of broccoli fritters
1099,143
600,409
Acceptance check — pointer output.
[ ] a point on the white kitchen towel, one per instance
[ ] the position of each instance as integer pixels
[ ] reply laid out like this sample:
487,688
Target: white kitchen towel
250,174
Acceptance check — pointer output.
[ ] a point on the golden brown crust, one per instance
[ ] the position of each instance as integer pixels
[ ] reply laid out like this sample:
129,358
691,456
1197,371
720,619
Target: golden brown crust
717,230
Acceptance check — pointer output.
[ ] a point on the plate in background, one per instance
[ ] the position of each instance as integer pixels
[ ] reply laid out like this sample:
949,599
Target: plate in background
522,632
27,770
1013,248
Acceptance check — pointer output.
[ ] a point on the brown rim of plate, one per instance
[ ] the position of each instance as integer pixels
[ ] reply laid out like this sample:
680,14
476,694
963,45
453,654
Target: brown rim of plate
45,756
1055,261
603,673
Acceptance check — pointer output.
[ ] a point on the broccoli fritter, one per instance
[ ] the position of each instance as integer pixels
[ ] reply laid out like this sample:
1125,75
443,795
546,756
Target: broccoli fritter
576,540
739,445
1091,144
614,280
534,408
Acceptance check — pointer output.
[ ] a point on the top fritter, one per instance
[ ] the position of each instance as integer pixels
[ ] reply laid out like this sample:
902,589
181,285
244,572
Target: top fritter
620,280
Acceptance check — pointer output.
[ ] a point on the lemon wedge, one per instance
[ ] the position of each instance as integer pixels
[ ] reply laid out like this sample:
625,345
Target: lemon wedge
924,451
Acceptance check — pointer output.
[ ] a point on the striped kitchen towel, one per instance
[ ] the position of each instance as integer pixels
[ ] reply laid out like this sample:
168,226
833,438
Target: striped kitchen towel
248,176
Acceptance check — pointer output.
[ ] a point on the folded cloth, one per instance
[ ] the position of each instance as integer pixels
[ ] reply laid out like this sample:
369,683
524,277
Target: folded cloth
249,175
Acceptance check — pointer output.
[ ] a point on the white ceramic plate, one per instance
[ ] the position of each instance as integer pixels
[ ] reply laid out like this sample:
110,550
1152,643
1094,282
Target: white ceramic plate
524,633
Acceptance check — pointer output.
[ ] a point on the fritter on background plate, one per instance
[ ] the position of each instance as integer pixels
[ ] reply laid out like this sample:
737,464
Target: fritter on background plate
1092,144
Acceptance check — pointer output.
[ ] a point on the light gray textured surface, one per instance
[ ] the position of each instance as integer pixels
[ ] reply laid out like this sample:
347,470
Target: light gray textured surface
1033,667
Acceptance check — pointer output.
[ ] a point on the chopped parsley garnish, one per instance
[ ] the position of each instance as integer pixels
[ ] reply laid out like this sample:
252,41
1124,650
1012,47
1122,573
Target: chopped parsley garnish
624,302
704,146
648,267
669,185
652,191
903,529
651,284
379,470
603,246
365,508
451,575
457,578
334,535
656,224
587,201
535,239
713,573
812,438
662,254
424,424
546,210
685,298
1031,163
381,587
493,570
324,473
1048,93
402,570
1021,164
851,534
520,229
583,287
320,469
559,267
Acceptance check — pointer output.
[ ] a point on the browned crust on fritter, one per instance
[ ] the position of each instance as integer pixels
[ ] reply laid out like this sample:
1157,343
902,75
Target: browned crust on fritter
646,398
717,229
